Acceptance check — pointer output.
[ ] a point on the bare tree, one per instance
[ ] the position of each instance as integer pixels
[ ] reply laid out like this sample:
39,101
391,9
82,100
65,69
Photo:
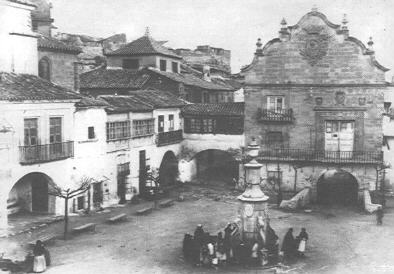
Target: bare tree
66,194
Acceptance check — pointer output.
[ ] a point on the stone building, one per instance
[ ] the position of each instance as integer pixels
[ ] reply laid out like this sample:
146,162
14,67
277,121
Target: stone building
217,59
146,63
58,61
314,100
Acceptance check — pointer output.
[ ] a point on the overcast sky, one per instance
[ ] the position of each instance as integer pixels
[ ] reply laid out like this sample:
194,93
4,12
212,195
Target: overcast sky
229,24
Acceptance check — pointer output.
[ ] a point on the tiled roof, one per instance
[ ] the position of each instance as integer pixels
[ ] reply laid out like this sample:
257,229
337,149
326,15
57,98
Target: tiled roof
52,44
113,78
144,45
219,109
191,80
87,102
24,2
20,87
231,83
141,101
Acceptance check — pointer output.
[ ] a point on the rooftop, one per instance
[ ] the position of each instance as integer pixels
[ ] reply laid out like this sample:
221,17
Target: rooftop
191,80
113,78
219,109
142,101
24,2
21,87
144,45
52,44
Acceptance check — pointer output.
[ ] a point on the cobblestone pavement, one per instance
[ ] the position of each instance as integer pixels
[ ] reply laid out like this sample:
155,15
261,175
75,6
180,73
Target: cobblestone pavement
341,240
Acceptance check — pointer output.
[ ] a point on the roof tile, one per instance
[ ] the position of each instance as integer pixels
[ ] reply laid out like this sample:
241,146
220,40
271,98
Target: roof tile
20,87
143,46
52,44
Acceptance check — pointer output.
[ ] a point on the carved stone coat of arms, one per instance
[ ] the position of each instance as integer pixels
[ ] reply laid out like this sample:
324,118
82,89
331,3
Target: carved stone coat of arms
316,44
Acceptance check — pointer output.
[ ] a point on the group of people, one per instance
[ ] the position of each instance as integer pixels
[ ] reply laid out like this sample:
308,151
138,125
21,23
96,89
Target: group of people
203,249
293,247
42,258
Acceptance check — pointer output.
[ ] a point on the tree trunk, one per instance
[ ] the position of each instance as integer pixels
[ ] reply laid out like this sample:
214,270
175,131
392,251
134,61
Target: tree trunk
65,218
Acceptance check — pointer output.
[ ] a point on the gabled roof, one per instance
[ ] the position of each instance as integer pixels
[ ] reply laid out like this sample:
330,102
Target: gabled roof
113,78
25,87
191,80
144,45
219,109
52,44
142,101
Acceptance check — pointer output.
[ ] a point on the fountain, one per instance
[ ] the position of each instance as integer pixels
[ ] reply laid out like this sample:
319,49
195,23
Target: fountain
253,209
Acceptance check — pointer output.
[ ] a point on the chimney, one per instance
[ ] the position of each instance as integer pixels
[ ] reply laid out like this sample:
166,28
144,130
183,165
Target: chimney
76,77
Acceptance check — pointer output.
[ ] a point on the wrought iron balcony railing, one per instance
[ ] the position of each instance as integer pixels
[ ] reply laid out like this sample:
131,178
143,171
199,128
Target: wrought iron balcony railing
45,153
170,137
356,157
279,115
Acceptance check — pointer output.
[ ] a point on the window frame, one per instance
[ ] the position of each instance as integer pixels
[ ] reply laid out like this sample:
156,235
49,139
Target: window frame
47,61
28,134
171,122
274,106
174,65
163,64
118,130
91,137
143,128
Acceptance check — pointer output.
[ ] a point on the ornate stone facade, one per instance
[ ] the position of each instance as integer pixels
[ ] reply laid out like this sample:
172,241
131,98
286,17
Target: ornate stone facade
332,86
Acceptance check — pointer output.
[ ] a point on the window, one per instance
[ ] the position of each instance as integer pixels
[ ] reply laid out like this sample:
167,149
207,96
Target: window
55,135
161,123
31,132
44,69
163,65
275,103
208,125
55,130
130,64
274,138
118,130
91,133
143,127
171,122
195,125
175,67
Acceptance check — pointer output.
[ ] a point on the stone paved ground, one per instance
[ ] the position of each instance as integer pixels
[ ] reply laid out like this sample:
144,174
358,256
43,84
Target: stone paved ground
341,240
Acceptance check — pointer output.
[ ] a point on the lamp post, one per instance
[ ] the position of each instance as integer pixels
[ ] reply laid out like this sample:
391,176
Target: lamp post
253,202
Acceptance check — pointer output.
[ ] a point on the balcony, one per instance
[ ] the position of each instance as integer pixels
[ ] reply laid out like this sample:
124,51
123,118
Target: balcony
279,115
168,138
45,153
338,157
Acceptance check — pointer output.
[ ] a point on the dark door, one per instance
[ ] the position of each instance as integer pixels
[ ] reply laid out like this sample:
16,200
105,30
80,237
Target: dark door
39,194
123,172
161,123
97,194
142,172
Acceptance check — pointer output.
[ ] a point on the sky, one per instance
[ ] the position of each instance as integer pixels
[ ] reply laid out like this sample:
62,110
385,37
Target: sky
228,24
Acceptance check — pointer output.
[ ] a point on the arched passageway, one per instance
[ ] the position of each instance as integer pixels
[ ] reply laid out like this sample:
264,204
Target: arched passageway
337,187
216,167
30,193
168,172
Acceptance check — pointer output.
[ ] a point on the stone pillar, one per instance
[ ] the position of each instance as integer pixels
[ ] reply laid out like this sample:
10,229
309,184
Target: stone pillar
253,210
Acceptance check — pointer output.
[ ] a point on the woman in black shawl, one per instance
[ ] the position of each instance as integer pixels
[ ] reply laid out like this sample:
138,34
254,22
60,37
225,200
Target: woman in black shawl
289,244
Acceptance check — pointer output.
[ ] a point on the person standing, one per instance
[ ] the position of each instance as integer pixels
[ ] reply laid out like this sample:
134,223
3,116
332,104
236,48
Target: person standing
379,216
302,238
199,235
288,244
39,264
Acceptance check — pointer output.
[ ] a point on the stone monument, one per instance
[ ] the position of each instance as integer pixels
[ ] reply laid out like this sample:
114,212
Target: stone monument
253,210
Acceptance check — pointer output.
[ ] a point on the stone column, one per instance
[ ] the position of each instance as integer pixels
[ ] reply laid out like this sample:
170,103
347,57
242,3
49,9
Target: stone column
253,210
